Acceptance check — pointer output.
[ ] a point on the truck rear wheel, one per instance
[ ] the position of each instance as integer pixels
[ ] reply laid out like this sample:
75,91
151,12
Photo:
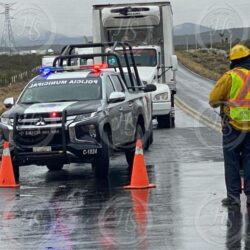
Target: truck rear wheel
100,165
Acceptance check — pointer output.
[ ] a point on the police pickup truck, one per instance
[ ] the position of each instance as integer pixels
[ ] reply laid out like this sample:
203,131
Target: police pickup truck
79,114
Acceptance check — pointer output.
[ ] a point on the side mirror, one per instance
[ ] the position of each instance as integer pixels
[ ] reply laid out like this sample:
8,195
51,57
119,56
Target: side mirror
149,88
9,102
116,97
174,62
174,91
145,83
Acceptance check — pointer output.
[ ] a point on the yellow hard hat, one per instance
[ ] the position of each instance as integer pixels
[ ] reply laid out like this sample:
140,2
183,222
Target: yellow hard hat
239,51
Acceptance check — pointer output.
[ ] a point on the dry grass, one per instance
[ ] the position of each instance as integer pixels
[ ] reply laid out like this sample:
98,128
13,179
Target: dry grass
205,63
8,91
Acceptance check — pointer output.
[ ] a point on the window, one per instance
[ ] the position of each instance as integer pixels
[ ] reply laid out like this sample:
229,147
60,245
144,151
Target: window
109,87
58,90
143,57
117,82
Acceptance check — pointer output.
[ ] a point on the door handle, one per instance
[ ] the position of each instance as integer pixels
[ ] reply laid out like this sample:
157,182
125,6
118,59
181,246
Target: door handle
121,109
131,104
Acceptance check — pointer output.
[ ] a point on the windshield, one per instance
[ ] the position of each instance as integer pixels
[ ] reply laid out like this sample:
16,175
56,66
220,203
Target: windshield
60,90
143,57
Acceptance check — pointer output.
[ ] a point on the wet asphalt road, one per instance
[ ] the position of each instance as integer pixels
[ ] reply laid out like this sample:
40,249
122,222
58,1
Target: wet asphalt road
73,210
194,91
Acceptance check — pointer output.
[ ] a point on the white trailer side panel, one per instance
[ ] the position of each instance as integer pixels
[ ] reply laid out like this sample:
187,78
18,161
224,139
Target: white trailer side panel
167,17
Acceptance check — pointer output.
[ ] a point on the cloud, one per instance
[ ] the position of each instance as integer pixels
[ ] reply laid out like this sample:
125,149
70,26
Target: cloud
74,17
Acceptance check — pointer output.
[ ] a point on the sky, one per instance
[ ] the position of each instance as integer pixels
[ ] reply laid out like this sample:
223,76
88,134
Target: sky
73,17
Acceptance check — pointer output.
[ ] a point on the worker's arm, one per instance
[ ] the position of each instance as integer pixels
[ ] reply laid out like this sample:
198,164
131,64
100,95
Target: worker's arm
221,91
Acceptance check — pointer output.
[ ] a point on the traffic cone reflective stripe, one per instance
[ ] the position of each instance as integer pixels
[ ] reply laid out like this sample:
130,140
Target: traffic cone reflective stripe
139,178
138,149
7,178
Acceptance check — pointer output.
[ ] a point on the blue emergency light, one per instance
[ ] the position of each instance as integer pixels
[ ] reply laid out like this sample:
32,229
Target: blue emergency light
46,71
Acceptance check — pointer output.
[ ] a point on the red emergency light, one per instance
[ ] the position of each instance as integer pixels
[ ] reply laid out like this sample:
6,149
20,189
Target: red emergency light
54,115
99,67
96,68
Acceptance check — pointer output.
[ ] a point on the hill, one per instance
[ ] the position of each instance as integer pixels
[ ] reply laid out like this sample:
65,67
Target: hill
189,29
218,36
48,38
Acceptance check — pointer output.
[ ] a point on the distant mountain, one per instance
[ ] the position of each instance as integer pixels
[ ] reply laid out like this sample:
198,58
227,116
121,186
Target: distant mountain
216,36
189,29
47,38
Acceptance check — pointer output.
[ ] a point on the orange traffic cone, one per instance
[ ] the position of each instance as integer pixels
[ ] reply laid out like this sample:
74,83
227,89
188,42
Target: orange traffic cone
139,178
7,178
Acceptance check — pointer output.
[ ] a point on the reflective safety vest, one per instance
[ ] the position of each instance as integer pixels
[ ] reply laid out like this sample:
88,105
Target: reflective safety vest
239,102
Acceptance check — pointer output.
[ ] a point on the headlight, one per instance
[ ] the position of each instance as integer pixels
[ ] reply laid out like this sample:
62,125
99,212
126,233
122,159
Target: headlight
7,121
161,97
83,132
82,117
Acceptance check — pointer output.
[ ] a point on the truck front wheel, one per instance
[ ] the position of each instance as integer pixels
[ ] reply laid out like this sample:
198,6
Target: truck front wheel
166,121
129,153
100,165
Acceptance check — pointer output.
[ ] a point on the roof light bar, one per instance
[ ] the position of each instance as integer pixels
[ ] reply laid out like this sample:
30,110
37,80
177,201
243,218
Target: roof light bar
46,71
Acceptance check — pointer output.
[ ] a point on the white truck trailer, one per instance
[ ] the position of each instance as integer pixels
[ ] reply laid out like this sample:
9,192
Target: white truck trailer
148,27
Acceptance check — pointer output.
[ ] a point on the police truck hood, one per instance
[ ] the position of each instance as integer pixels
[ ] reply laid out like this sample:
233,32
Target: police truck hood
71,108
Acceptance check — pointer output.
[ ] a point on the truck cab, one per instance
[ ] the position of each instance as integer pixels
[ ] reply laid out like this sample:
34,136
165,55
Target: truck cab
148,62
148,27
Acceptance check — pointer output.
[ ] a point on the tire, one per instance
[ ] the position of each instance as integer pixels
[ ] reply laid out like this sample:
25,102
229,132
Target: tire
129,153
150,139
100,165
166,121
54,167
173,121
16,172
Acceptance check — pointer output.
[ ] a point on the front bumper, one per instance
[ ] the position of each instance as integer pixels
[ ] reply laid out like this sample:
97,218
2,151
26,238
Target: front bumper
74,153
161,108
63,143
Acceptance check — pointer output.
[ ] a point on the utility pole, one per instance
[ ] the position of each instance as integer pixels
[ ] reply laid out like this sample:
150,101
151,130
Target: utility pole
196,43
230,39
187,44
8,44
211,39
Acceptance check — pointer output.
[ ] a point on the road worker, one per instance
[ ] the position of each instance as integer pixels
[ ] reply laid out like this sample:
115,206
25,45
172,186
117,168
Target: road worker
232,94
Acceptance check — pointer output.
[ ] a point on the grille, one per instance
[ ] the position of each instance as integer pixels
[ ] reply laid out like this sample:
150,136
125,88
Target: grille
42,137
126,10
34,119
38,130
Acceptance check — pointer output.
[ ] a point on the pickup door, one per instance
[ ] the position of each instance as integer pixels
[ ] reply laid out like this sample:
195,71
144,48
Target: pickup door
116,114
127,128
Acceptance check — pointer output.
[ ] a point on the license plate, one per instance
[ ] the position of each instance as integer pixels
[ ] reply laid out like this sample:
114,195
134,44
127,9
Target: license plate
38,132
41,149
